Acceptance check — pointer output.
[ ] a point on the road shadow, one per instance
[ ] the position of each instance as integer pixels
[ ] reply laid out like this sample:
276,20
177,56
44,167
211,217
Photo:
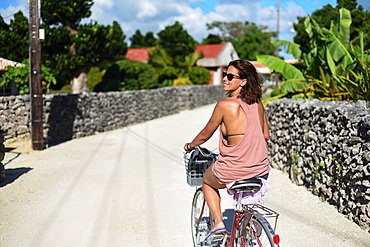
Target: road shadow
13,174
9,150
63,112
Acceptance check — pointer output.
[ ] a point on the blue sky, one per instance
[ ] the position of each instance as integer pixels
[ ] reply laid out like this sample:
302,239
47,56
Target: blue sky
155,15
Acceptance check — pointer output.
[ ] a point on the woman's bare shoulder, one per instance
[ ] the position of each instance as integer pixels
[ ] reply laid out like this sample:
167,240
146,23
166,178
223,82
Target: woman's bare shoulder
227,105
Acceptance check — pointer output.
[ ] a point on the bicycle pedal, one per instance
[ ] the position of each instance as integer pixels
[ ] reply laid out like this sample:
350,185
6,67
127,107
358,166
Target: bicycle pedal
216,238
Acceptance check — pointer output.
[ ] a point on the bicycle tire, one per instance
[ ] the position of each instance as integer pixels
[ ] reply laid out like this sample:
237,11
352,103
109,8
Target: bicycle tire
199,232
260,234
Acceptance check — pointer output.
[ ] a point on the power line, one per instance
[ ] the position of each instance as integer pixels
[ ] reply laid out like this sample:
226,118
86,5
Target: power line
27,8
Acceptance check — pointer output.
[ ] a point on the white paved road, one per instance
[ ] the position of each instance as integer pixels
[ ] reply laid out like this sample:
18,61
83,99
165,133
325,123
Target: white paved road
128,188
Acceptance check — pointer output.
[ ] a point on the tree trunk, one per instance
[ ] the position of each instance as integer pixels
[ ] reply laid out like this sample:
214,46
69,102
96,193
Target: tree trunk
79,83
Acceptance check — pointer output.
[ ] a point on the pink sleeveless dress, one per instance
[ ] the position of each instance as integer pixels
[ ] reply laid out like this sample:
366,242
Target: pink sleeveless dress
247,158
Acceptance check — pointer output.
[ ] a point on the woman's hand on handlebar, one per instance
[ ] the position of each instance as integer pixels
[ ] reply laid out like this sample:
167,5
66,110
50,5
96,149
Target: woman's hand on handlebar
188,147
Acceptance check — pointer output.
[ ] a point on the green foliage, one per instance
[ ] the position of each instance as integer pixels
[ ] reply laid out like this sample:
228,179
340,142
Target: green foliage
212,39
128,75
14,38
138,40
176,41
65,12
199,75
162,61
94,77
248,39
71,48
254,41
91,45
182,82
328,14
65,89
332,69
20,75
167,76
96,73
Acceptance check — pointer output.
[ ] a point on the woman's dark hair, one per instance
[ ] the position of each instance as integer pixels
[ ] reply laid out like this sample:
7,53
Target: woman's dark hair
252,91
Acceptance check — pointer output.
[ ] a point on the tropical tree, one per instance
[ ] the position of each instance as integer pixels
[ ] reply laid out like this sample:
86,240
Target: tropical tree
14,38
176,41
332,67
73,48
138,40
212,39
328,13
174,52
248,39
170,68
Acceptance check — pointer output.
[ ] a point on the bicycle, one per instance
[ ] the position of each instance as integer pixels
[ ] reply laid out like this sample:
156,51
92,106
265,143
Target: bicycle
249,228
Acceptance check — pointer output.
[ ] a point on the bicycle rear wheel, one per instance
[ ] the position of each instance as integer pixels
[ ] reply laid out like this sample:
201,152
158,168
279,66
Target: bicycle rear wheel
201,219
257,234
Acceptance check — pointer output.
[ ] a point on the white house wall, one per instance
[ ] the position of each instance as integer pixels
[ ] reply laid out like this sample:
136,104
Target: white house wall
227,54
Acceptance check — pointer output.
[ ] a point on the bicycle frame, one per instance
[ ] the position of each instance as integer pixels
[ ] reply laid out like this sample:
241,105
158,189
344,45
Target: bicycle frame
246,219
238,215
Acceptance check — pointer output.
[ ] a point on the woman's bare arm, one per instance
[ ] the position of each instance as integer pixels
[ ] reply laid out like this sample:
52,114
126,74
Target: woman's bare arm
212,125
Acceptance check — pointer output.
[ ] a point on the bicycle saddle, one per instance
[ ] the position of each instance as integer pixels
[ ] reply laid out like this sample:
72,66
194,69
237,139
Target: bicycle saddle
251,184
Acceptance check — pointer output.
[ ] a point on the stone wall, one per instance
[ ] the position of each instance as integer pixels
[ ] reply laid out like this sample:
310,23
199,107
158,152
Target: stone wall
67,116
325,146
2,155
322,145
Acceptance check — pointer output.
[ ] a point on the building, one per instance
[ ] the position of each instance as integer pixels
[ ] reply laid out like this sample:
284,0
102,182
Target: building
215,58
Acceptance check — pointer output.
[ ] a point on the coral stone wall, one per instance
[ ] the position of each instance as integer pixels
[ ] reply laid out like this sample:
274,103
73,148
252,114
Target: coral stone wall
2,155
325,146
72,116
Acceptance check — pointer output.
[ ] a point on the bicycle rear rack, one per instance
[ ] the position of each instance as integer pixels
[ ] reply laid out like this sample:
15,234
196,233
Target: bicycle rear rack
259,210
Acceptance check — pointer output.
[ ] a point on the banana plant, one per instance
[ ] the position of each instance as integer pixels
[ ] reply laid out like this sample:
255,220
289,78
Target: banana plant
331,69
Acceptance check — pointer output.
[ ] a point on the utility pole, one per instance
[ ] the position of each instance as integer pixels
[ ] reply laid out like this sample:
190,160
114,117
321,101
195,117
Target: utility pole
35,77
277,37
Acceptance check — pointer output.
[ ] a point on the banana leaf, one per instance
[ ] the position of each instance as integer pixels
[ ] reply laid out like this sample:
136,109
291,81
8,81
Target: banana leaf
293,48
330,62
344,26
287,70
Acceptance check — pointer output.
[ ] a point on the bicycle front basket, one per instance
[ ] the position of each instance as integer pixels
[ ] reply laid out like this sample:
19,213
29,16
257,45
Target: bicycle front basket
197,165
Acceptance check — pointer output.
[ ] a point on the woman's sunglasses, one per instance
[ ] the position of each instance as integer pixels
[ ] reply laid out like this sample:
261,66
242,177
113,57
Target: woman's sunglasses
230,77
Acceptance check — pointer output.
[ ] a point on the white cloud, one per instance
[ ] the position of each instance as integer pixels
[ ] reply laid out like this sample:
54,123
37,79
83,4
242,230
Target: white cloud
148,10
155,15
108,4
8,13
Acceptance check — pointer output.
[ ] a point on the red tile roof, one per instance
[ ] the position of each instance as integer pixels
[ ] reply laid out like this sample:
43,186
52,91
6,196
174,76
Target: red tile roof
138,54
6,62
210,51
141,54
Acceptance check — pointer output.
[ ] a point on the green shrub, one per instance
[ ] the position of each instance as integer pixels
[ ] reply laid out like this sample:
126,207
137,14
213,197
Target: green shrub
94,77
182,82
128,75
199,75
65,89
20,75
167,76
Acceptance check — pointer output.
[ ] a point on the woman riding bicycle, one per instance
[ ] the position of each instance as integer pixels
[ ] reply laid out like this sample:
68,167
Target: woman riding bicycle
243,135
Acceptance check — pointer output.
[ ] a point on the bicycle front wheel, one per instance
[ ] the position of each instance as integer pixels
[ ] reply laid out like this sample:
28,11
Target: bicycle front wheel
201,219
257,232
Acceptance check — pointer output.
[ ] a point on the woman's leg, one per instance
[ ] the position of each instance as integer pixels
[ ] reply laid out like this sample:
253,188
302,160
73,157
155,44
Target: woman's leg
210,190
